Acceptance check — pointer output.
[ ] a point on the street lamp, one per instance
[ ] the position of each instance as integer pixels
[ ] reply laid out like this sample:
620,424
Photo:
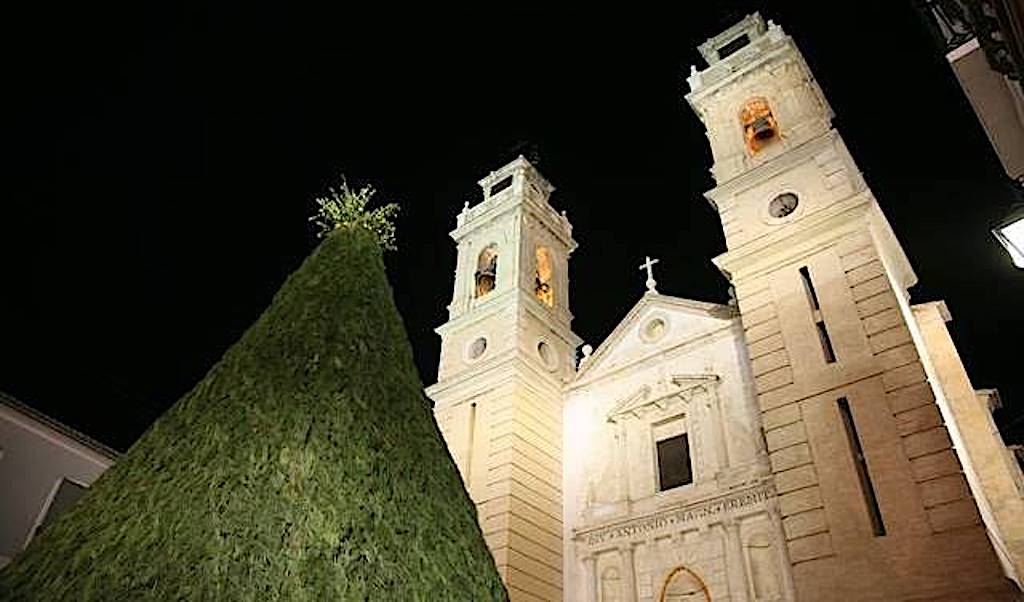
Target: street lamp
1010,234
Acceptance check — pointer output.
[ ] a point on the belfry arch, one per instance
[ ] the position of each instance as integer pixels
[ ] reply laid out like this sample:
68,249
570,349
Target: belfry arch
543,282
486,270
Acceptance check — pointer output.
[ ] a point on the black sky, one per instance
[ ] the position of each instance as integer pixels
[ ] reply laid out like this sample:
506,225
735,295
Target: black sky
164,165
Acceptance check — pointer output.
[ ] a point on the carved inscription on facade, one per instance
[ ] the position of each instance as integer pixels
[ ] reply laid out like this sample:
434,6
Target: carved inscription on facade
674,518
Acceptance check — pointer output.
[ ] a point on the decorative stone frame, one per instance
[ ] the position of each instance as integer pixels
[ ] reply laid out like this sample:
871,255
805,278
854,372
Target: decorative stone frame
765,212
695,398
467,351
475,270
643,330
552,362
684,428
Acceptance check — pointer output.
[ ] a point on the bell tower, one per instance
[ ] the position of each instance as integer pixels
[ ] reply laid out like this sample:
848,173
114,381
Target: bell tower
874,502
506,352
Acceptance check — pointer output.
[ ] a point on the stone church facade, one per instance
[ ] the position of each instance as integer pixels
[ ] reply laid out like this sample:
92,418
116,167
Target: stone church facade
813,441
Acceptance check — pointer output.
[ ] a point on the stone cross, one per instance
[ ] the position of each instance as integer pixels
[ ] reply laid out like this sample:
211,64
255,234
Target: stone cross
648,265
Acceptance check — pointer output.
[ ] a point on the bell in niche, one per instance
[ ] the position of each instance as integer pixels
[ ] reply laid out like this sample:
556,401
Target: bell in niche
762,128
484,282
542,279
759,125
487,271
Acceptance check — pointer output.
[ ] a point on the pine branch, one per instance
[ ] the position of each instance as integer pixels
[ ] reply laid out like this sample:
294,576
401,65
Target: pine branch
347,209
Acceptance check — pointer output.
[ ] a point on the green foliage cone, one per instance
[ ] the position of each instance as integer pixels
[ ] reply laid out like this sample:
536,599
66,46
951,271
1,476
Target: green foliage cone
305,466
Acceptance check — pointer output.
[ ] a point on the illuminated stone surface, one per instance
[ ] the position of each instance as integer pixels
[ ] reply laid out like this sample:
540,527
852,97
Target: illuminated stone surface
812,412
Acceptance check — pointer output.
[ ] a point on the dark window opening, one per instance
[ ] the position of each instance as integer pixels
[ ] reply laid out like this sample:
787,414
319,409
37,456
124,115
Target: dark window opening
826,343
819,321
733,46
805,274
502,185
860,462
674,462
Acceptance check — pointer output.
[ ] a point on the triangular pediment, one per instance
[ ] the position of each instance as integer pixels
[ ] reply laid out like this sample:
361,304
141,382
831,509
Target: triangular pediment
661,394
655,324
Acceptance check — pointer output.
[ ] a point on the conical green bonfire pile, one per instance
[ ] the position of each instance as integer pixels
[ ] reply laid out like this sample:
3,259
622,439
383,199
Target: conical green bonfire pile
305,466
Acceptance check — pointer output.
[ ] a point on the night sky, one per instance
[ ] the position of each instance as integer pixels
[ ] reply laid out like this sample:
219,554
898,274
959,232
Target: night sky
165,164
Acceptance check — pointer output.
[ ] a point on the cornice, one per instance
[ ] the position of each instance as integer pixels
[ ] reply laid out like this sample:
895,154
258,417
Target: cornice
484,308
522,303
55,430
772,53
681,386
819,229
774,166
696,512
492,209
506,367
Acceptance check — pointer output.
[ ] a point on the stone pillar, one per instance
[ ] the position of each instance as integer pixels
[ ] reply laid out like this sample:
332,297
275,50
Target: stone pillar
734,564
718,428
621,460
589,578
628,573
785,568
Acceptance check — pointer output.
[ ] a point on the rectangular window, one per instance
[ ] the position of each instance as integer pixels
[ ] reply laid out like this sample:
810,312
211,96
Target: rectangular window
733,46
502,185
857,451
674,462
812,295
819,321
826,343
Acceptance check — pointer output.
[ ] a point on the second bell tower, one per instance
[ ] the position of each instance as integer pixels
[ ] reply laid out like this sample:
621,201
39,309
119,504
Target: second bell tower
874,501
506,351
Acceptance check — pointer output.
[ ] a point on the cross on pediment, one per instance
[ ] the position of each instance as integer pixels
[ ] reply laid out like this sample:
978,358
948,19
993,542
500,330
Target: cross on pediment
648,265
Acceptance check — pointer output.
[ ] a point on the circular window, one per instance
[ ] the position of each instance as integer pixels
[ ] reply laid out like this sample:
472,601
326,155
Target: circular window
547,355
783,205
477,348
654,329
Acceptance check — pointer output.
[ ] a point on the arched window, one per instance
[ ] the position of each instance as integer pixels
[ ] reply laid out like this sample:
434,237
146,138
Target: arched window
683,584
486,270
611,585
542,282
759,125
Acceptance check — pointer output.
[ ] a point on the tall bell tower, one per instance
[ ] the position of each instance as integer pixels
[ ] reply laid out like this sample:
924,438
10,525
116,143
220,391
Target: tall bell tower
874,502
506,352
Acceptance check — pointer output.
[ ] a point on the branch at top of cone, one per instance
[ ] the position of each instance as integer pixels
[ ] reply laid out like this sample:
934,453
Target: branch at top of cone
346,208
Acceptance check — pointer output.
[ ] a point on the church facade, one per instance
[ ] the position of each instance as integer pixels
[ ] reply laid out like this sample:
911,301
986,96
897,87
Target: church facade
814,440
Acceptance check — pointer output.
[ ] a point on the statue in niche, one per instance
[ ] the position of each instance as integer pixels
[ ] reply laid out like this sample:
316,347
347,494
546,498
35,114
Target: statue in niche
486,270
759,125
764,574
611,585
542,278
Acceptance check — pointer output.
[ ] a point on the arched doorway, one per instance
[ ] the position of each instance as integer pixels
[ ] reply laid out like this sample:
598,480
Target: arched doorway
683,585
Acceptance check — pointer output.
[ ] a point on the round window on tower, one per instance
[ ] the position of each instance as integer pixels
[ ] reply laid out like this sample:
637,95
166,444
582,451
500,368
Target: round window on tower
547,355
476,348
783,205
